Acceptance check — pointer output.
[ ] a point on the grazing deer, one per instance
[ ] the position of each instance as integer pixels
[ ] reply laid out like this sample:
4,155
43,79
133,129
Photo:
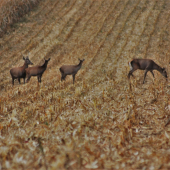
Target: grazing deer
19,72
36,71
70,70
147,65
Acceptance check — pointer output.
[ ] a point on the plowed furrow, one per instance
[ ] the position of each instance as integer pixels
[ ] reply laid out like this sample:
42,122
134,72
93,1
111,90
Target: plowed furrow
154,50
21,31
145,37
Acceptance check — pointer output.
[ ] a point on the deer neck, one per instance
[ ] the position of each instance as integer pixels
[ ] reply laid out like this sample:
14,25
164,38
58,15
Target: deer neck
78,66
44,66
25,65
157,67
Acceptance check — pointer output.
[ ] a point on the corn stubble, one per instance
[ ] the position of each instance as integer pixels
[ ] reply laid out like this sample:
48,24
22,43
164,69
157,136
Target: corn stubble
12,11
102,121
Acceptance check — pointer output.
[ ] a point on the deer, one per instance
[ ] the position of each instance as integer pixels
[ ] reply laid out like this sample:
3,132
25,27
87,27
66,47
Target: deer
70,70
19,72
36,71
147,65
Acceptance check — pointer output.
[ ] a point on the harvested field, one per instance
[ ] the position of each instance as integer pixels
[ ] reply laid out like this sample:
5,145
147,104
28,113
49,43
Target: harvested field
103,121
13,10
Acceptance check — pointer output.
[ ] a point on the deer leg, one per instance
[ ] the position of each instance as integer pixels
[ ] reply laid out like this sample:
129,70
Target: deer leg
19,80
130,73
73,78
63,77
12,81
28,78
24,80
40,79
145,76
152,73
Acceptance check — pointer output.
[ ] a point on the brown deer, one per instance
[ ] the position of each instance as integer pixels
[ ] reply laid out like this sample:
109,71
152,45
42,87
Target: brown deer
19,72
36,71
147,65
70,70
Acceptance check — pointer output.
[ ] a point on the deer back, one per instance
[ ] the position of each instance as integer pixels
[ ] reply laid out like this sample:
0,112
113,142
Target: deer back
142,64
71,69
37,70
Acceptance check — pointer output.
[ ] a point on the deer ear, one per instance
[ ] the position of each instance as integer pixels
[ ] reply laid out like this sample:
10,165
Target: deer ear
23,58
49,59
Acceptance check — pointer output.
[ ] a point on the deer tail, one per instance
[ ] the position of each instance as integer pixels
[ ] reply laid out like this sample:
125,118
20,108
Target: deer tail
130,65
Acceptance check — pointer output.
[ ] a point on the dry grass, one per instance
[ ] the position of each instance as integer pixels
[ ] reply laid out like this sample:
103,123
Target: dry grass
12,10
101,122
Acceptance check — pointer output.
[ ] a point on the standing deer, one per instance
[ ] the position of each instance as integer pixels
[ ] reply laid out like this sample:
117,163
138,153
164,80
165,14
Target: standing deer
19,72
36,71
147,65
70,70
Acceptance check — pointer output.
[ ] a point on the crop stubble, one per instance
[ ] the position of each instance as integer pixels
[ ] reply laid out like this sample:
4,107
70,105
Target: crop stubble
98,122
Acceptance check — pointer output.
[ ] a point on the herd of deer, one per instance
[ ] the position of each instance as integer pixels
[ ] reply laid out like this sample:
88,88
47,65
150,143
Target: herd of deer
27,72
